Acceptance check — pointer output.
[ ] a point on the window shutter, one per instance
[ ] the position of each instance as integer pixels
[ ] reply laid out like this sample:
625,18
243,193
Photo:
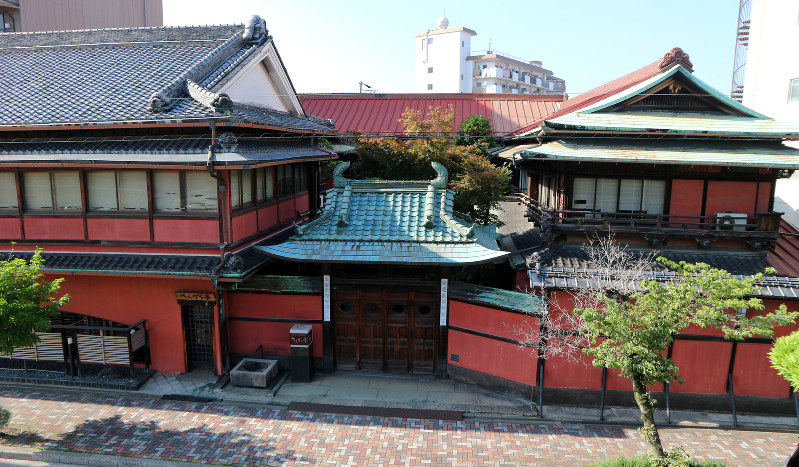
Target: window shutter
260,189
630,195
246,186
38,193
583,193
606,194
654,196
200,192
166,191
132,190
235,188
102,191
8,191
67,191
269,178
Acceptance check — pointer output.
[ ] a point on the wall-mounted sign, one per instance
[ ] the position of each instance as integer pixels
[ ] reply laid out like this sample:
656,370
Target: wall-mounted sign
326,298
195,296
444,286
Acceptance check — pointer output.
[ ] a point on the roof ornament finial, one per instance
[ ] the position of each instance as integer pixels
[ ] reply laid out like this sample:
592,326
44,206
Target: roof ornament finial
255,31
338,175
676,55
441,180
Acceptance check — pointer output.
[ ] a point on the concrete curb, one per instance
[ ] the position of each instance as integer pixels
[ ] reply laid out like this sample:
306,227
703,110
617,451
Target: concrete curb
80,458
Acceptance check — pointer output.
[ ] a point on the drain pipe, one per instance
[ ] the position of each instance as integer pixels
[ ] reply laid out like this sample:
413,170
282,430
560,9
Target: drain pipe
222,186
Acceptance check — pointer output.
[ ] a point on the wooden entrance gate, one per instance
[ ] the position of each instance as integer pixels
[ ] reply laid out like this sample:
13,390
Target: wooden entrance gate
385,331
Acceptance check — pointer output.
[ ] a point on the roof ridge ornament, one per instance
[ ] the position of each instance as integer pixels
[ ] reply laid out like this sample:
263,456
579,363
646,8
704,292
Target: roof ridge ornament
255,31
338,175
442,176
228,141
218,102
676,55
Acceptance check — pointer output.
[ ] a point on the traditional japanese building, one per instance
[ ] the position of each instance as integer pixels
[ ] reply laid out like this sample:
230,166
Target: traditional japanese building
146,163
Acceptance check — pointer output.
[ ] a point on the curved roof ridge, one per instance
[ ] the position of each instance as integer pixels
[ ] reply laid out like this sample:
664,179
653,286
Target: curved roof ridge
218,102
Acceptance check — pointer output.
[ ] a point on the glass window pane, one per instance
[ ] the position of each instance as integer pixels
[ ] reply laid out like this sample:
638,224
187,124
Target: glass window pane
260,192
286,182
246,186
269,178
166,191
200,192
606,194
654,196
132,186
235,188
67,191
8,191
38,194
583,193
102,191
794,97
630,195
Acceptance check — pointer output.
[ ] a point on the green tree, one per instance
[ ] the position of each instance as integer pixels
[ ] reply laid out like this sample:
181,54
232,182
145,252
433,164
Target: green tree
784,358
476,130
27,301
626,320
479,185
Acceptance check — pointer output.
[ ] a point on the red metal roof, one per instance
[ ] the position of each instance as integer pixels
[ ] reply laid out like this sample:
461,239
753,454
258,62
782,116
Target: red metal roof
785,255
380,113
600,92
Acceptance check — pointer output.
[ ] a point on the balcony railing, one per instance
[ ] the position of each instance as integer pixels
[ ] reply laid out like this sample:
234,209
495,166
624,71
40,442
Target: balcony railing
761,227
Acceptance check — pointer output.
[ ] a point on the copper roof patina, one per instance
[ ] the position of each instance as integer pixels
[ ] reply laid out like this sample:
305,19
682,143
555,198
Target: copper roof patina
397,222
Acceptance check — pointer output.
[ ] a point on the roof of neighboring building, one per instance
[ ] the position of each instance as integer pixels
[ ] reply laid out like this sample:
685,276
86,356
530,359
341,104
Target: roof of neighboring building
659,151
139,75
108,263
784,255
497,298
166,150
397,222
380,113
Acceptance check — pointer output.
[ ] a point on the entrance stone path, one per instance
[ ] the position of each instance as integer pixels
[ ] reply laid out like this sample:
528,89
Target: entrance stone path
216,433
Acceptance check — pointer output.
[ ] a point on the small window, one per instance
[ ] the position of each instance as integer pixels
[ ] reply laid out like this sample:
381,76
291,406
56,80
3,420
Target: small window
794,91
429,69
462,44
240,187
52,191
429,40
265,183
8,191
285,180
177,192
429,87
461,76
117,190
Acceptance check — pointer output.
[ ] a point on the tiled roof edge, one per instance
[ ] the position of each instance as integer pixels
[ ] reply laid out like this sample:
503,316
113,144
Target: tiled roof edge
218,102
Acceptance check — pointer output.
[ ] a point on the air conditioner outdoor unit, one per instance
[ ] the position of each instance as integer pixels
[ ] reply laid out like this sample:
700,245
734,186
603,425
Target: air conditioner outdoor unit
731,221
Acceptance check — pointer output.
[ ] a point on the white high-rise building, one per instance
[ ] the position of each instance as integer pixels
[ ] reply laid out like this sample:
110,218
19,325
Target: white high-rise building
766,75
445,64
441,54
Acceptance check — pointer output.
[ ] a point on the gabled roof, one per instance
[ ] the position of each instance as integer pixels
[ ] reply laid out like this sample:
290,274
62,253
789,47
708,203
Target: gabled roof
380,113
397,222
141,75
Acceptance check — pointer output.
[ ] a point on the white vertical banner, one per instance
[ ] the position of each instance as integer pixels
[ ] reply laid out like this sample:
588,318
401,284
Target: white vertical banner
443,314
326,297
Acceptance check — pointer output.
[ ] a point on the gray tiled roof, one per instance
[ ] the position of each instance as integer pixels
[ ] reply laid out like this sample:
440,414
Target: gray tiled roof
163,150
110,75
126,263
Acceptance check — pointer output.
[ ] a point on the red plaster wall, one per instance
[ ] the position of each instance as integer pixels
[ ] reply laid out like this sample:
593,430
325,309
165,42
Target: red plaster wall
55,228
561,372
244,225
522,282
703,366
488,320
686,197
9,228
730,196
246,336
119,229
267,216
493,357
286,210
186,230
763,196
130,299
301,201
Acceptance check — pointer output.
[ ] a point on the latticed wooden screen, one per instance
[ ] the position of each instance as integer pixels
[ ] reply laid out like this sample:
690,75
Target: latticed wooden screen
108,350
50,348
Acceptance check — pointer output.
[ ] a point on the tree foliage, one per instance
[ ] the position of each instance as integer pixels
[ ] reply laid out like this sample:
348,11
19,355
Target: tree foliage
27,301
476,130
785,358
479,184
626,320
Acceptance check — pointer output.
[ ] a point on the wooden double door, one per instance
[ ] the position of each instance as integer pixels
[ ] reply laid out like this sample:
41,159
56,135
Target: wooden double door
385,331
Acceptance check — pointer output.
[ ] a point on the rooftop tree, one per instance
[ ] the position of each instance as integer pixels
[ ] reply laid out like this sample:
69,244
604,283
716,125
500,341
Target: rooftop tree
479,184
626,320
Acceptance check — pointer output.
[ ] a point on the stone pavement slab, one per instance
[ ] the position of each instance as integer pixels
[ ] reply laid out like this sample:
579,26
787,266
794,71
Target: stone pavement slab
158,430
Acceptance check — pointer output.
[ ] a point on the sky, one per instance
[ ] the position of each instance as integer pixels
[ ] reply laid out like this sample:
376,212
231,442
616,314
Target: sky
331,45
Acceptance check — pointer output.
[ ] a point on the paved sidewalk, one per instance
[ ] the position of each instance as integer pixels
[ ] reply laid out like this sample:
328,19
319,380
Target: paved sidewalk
155,429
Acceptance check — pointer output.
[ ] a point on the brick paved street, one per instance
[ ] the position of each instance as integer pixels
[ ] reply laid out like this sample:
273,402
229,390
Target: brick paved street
196,432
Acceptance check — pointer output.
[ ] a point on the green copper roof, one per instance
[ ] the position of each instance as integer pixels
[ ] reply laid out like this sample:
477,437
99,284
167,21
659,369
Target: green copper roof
669,152
673,122
377,221
499,298
283,284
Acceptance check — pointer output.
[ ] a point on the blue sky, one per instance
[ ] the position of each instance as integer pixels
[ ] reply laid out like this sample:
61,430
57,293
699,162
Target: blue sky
328,46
